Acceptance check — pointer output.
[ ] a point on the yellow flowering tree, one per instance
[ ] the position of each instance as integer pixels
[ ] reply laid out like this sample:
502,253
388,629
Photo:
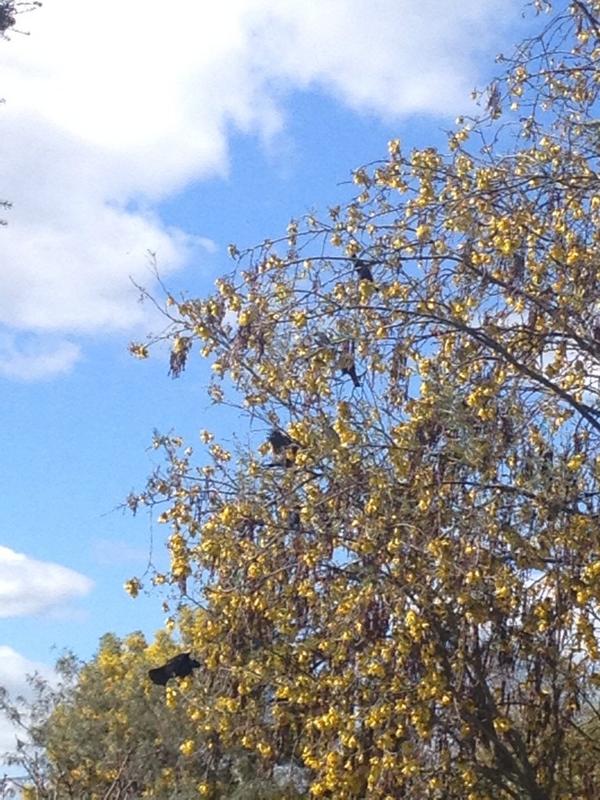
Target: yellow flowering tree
106,732
394,579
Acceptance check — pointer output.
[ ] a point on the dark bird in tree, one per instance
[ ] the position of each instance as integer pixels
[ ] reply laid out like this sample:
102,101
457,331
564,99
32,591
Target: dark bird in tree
351,372
363,270
279,441
179,666
346,363
284,447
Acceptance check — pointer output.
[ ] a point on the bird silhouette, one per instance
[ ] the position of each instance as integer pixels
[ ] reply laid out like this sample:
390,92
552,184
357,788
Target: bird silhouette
350,371
363,270
279,441
180,666
284,448
345,362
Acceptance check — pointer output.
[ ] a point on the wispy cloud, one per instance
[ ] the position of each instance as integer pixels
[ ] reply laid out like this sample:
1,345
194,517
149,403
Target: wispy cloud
391,58
31,357
29,586
112,106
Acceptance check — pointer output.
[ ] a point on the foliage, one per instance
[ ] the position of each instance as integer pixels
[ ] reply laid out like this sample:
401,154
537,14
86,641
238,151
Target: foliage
105,731
7,15
9,9
404,594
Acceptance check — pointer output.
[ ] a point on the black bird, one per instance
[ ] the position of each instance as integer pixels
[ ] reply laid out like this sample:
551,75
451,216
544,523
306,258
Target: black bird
279,441
179,666
363,270
346,363
351,372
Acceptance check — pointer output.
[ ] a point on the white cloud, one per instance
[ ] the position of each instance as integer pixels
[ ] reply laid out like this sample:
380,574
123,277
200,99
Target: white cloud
32,357
112,106
393,58
28,586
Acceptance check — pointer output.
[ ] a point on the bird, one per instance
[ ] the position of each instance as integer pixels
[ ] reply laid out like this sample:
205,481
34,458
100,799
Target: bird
346,365
180,666
350,371
284,448
344,357
279,441
363,270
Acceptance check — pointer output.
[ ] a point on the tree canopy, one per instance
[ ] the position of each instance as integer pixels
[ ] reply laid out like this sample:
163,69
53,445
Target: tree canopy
392,580
401,592
103,730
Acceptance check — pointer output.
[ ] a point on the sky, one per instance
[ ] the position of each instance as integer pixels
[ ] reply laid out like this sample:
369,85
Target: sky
175,129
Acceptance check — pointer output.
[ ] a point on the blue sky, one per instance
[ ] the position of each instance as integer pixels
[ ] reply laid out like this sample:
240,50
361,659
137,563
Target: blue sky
129,128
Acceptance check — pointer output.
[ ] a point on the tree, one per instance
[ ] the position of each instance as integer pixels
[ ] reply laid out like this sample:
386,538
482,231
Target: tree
7,15
106,731
9,10
406,600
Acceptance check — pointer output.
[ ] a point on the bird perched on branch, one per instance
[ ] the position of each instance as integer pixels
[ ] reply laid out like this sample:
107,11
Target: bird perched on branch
345,362
180,666
279,441
284,448
363,270
350,371
342,350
